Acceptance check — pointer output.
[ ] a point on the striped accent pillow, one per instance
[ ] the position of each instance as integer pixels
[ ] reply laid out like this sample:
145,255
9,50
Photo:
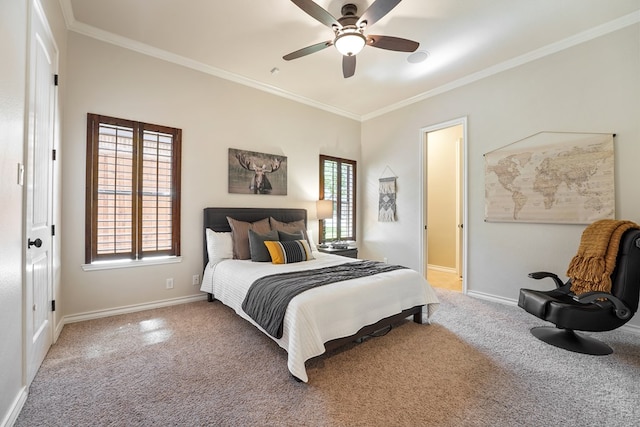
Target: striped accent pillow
288,252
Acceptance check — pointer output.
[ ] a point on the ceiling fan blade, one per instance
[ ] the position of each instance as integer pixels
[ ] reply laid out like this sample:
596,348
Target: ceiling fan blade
392,43
307,50
317,12
376,11
348,66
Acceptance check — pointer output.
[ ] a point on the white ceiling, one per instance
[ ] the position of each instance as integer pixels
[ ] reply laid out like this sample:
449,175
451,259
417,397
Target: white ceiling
243,40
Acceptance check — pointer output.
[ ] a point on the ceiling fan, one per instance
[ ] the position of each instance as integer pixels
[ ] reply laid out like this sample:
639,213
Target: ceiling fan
349,30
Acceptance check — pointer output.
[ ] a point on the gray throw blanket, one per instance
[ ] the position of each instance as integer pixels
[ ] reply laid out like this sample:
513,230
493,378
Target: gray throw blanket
268,297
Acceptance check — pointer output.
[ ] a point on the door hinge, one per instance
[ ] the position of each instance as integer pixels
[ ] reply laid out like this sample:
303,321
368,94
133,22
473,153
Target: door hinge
54,153
53,229
55,80
53,305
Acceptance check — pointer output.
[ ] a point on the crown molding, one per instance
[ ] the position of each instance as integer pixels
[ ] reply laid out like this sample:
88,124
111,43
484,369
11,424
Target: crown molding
67,13
145,49
107,37
585,36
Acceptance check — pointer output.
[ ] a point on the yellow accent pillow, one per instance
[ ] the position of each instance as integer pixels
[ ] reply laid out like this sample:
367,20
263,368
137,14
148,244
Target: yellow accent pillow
288,252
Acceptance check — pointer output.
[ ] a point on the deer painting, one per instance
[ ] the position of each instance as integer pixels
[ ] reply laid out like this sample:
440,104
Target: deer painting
259,182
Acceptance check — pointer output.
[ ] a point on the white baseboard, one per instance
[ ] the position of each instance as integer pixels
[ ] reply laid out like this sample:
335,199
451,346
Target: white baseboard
16,407
89,315
58,330
630,328
489,297
441,268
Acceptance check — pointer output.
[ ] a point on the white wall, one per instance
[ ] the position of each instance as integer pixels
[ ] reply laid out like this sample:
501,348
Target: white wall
591,87
214,115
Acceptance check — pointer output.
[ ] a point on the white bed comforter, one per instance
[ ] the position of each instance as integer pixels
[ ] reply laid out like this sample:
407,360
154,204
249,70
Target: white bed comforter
325,313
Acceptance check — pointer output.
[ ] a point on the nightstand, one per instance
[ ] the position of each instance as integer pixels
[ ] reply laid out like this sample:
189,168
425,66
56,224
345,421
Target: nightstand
351,252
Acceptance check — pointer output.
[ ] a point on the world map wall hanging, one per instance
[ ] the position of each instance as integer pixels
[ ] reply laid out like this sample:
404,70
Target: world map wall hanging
551,177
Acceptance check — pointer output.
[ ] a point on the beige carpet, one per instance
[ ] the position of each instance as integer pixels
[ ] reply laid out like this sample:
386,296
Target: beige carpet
200,364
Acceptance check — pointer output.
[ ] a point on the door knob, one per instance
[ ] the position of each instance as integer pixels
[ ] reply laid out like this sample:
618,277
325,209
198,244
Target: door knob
37,243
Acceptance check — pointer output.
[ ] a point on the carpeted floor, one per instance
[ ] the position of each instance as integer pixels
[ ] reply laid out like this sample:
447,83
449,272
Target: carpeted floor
200,364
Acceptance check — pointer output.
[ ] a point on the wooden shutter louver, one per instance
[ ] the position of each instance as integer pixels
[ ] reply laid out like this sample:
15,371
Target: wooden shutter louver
115,190
157,191
347,202
330,230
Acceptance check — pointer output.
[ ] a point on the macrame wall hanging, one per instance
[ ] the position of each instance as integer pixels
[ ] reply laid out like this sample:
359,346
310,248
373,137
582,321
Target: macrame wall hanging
387,198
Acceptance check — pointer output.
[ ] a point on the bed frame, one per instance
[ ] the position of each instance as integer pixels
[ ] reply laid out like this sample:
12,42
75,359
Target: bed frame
216,219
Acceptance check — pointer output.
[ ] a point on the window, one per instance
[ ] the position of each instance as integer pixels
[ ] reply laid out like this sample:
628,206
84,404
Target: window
338,183
133,190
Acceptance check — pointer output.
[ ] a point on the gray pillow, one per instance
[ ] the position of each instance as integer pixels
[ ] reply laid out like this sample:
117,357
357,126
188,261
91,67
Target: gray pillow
259,252
289,227
288,237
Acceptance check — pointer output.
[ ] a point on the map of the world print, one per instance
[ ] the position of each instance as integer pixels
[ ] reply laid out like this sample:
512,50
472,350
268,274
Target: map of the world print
552,178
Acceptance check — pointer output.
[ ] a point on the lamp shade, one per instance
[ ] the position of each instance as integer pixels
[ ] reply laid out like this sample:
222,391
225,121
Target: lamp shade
350,43
324,209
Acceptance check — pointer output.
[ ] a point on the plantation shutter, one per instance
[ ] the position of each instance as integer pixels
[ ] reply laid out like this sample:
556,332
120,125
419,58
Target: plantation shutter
133,189
338,183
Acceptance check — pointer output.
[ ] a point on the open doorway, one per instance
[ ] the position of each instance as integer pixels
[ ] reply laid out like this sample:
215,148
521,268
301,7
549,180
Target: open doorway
444,207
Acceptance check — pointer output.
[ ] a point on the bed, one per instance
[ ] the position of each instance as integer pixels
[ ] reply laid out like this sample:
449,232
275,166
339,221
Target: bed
358,307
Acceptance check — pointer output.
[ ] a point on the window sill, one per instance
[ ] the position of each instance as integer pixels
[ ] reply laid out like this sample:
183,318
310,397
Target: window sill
110,265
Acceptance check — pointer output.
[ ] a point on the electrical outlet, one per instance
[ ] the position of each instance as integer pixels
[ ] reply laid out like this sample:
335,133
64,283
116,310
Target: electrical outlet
385,260
195,280
170,283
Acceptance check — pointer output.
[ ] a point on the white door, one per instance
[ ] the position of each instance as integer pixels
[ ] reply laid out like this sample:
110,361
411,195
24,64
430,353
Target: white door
38,191
459,201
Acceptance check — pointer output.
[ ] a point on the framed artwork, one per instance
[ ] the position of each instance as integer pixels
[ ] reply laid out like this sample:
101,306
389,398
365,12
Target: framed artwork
257,173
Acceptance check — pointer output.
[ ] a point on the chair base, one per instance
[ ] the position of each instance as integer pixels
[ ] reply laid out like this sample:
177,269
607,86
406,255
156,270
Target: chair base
571,340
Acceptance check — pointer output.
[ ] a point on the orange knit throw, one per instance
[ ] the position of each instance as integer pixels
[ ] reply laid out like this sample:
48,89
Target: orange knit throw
590,270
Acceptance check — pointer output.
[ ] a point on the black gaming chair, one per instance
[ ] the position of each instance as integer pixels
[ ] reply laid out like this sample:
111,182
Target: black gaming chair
592,311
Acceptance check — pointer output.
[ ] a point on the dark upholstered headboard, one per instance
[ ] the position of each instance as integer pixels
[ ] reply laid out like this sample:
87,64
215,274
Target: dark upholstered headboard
216,218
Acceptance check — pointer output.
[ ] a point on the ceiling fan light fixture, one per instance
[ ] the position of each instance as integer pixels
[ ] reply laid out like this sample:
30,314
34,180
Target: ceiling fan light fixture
349,32
350,42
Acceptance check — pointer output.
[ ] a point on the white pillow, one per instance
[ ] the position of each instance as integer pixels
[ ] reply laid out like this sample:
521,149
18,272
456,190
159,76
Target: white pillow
312,244
219,245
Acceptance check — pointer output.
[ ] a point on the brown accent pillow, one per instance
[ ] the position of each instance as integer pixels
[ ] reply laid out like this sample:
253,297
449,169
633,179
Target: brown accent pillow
292,227
240,235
